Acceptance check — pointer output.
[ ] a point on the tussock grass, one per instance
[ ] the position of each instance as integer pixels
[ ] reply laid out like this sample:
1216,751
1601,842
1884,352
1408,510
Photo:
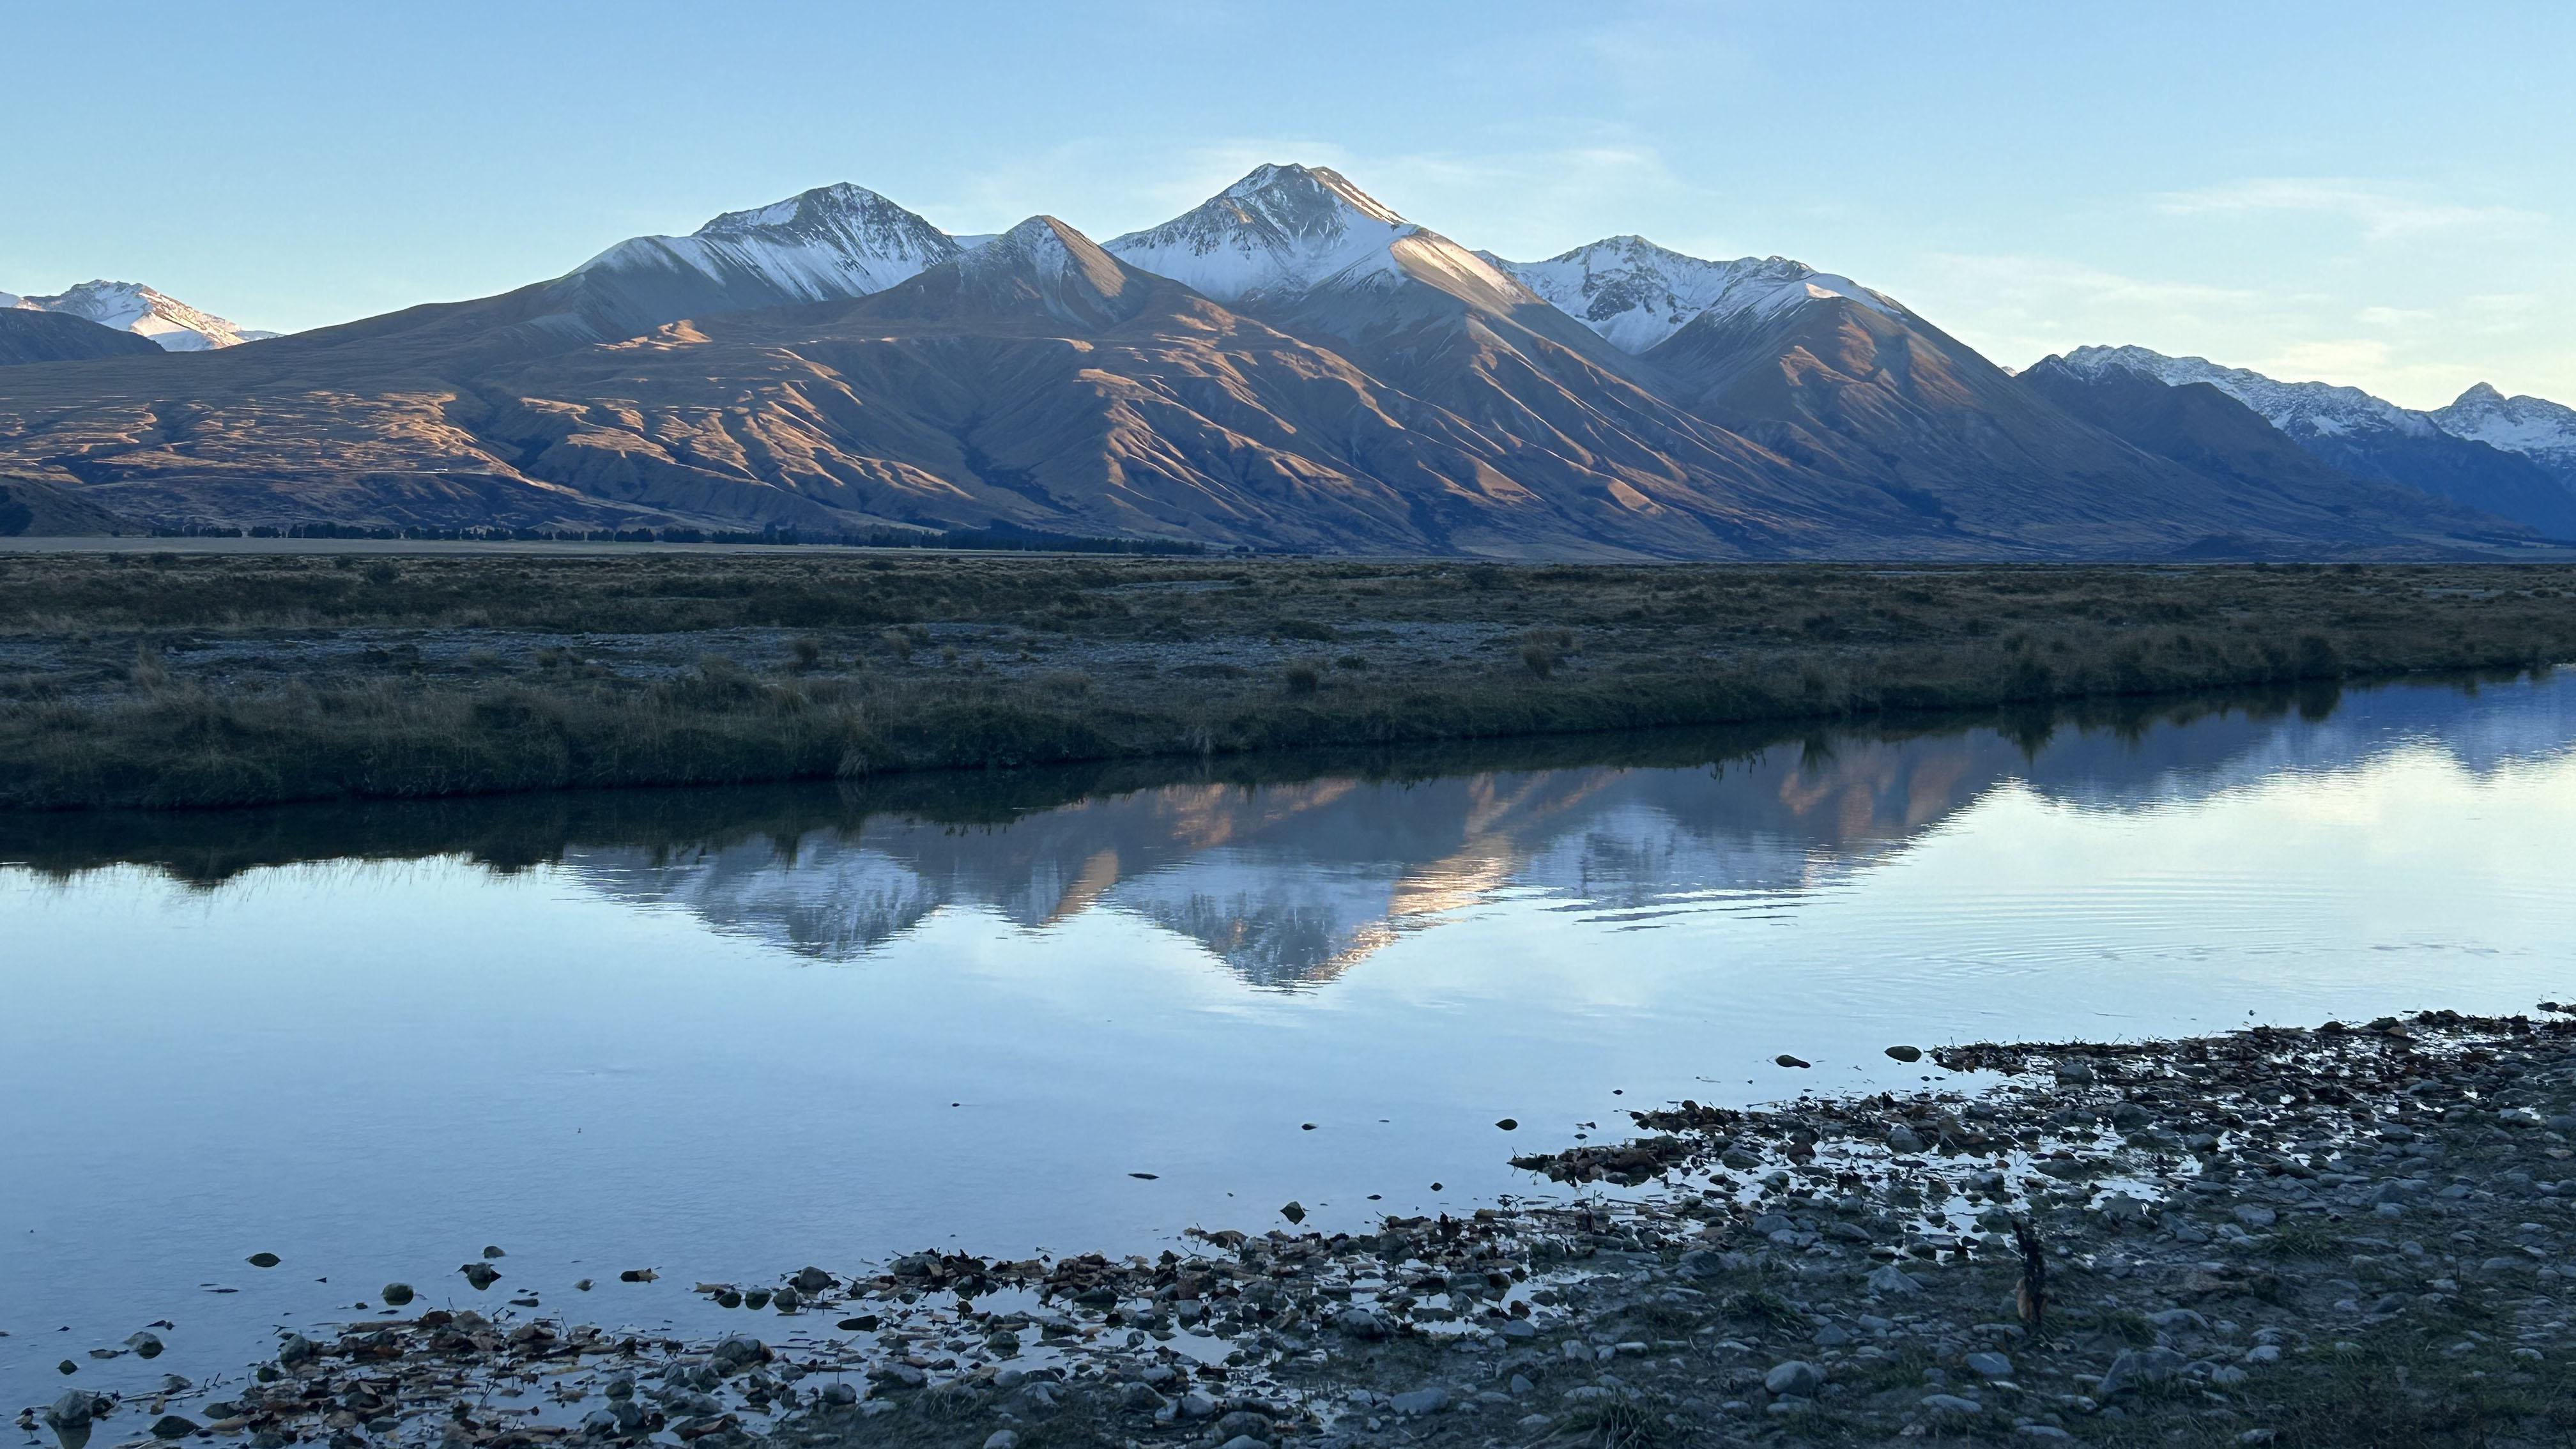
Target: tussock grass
852,665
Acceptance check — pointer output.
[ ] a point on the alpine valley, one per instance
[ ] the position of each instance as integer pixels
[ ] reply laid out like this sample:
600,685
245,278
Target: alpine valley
1291,365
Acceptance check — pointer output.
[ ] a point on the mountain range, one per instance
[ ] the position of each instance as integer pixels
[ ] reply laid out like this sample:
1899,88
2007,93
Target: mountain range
1289,365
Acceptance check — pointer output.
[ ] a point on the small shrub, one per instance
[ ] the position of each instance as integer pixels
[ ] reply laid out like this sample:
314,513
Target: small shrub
1542,650
898,641
1351,661
808,651
1303,678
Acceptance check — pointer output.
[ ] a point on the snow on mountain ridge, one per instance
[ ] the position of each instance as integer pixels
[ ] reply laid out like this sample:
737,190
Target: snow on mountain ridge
1286,230
133,307
828,244
2534,426
1635,294
2300,409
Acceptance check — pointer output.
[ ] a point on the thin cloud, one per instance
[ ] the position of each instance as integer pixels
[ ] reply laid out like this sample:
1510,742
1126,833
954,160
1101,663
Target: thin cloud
2382,212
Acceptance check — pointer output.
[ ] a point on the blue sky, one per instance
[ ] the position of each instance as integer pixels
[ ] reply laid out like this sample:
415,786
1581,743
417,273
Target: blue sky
2379,195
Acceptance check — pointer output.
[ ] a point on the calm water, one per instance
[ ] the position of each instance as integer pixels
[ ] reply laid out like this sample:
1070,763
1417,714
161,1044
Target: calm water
727,1034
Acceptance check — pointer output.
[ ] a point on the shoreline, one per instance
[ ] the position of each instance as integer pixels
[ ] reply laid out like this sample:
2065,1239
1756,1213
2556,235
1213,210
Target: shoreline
2239,1233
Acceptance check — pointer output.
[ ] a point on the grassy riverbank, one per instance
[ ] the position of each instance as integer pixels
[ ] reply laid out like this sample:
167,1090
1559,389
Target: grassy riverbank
162,681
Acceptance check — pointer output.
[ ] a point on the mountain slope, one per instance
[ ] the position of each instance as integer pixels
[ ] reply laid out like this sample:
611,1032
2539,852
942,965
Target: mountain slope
2213,434
1872,391
132,307
1304,250
31,336
2368,437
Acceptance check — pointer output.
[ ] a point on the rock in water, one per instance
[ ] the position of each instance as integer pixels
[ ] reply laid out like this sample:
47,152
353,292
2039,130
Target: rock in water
262,1260
397,1294
1294,1212
1906,1053
69,1417
811,1280
171,1426
1787,1060
145,1345
490,1251
1509,1124
481,1275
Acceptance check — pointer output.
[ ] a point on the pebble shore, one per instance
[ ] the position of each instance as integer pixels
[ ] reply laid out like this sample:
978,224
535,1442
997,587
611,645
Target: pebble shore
2351,1234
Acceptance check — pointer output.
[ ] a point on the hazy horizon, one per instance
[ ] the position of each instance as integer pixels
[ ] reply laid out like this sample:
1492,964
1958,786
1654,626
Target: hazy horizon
2356,194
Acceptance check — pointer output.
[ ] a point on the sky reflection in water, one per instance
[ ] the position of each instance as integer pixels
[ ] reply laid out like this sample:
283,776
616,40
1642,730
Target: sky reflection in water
726,1035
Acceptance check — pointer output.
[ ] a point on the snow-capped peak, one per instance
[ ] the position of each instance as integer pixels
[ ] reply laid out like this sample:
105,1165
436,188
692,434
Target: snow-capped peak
1267,184
1041,245
1635,293
828,244
2530,425
133,307
2303,410
1284,230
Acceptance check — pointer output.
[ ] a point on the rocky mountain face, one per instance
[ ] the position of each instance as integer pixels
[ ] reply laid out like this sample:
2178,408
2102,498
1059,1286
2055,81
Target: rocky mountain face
171,324
32,336
2366,437
1291,364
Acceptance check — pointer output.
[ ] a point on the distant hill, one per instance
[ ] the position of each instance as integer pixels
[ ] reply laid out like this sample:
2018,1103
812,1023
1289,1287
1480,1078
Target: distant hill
166,322
54,337
33,509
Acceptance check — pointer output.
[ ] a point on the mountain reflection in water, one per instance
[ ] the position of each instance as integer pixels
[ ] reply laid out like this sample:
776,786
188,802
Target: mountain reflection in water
1291,884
